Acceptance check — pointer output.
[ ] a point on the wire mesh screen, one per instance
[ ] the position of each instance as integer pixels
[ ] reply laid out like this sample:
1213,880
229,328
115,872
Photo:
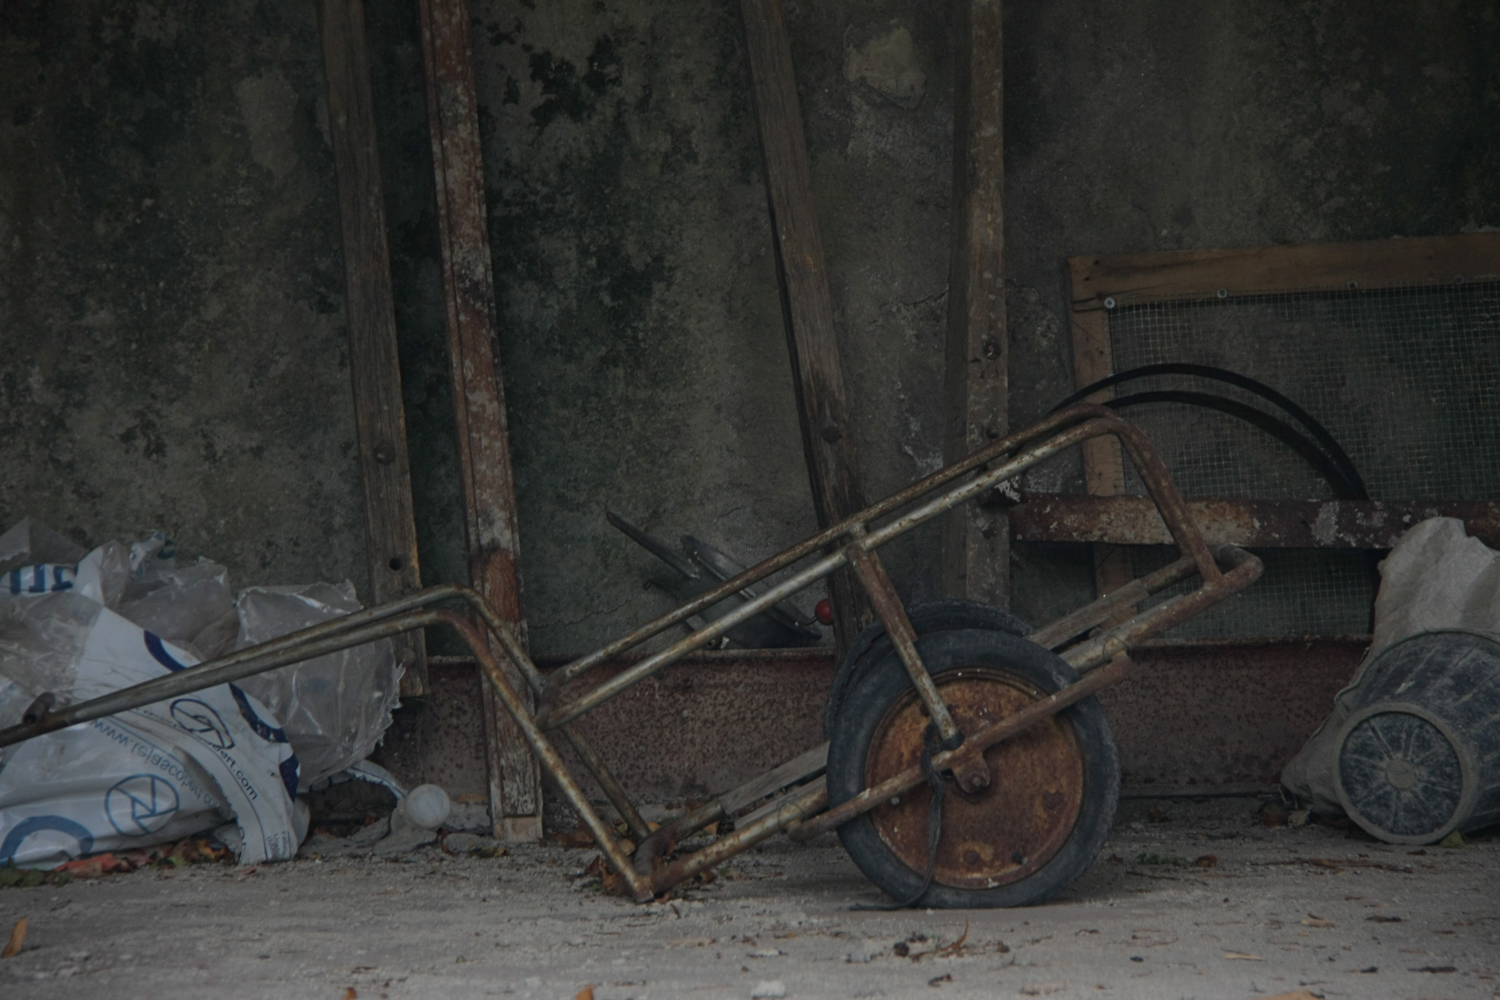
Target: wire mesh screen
1405,379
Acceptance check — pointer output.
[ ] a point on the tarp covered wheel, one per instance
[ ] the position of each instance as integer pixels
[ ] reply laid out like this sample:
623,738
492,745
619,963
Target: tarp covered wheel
1052,794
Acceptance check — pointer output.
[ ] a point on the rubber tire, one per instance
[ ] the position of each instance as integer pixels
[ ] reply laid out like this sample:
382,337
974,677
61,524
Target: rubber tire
886,681
932,616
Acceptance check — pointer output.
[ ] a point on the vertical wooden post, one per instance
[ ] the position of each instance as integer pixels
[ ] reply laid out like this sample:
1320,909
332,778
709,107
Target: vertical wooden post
806,304
976,537
369,309
1103,462
478,393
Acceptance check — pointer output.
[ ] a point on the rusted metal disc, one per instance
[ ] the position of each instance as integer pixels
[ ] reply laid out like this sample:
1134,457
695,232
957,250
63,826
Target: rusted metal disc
1006,831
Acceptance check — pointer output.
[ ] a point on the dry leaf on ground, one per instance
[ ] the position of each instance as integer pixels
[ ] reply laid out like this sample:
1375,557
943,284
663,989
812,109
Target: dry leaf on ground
578,838
17,939
955,947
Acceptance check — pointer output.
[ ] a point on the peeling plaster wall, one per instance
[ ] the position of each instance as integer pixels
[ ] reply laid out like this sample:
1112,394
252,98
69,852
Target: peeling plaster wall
171,285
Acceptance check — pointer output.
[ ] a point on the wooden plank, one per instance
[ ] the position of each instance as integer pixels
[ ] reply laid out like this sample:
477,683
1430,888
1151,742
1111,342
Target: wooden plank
976,538
369,310
799,768
478,393
1130,279
807,306
1279,524
816,784
1103,461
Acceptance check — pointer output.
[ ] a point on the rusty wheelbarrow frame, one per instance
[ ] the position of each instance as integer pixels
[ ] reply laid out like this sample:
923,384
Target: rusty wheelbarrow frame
802,811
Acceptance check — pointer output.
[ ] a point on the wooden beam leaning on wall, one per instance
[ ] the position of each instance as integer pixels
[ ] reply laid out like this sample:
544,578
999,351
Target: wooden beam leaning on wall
976,537
369,310
806,304
478,393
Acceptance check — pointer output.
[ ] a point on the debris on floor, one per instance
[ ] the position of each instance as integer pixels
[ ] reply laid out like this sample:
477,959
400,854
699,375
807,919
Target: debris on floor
413,823
1411,751
435,924
17,940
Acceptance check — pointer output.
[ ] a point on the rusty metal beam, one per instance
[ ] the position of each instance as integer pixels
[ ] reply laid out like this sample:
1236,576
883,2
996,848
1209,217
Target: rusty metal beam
478,393
1267,524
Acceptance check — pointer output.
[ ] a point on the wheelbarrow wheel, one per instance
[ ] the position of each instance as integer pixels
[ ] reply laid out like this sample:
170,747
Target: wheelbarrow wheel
1052,794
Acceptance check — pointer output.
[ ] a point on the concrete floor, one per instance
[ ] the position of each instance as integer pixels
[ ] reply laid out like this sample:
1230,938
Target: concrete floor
1281,910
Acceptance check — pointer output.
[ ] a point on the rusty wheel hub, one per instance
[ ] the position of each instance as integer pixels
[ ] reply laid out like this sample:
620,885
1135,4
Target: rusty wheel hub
1003,832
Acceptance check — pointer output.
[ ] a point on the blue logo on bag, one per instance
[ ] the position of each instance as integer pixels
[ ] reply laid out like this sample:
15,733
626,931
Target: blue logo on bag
45,824
141,804
202,721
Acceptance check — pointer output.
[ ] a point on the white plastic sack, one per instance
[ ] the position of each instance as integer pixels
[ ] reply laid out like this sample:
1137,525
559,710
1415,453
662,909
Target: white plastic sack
334,708
1435,578
142,777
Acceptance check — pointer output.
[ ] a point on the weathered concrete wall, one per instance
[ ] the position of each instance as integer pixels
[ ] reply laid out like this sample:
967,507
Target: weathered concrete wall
169,261
171,284
170,266
642,341
1170,125
646,363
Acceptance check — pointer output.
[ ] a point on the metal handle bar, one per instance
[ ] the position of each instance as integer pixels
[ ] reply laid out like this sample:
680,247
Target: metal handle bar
1048,425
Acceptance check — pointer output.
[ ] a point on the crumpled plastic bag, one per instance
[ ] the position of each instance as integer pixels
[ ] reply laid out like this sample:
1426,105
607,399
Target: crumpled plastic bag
334,708
142,777
1435,578
159,616
189,606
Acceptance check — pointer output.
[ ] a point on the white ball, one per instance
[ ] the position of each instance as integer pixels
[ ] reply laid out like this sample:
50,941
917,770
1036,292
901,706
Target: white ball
427,806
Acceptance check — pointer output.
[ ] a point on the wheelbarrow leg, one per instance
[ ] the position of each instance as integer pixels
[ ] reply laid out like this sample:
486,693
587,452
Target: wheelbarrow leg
590,758
614,852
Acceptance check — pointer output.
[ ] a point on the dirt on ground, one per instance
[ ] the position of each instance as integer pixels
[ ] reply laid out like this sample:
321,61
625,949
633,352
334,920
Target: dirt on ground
1187,900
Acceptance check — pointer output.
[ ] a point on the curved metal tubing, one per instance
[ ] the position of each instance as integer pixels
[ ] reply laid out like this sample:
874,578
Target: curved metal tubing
1090,421
1050,423
1060,430
293,648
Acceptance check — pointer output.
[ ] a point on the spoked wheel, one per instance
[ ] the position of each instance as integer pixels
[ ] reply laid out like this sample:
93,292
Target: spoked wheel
1052,793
